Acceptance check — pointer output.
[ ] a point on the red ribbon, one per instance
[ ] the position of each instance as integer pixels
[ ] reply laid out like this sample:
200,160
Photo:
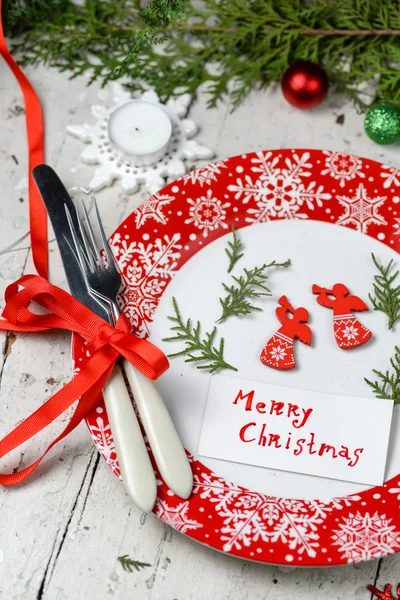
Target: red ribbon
34,129
106,344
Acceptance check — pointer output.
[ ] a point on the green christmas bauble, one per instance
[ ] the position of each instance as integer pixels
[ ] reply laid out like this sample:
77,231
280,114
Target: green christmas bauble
382,123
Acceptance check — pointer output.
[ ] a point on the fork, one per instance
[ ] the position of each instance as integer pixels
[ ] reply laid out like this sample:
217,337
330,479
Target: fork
104,281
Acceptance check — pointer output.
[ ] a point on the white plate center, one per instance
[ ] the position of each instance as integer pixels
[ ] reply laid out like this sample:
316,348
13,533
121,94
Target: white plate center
321,253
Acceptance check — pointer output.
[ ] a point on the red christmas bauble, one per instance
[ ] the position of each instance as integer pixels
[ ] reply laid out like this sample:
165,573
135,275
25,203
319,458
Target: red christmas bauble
304,84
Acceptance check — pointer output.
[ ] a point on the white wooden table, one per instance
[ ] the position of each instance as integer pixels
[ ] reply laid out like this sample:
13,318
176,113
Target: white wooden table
62,531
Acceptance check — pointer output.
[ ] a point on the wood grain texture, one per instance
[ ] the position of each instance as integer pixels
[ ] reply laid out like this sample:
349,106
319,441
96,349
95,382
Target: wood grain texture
62,531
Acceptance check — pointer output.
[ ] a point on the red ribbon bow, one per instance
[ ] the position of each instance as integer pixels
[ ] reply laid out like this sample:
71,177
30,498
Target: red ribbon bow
106,344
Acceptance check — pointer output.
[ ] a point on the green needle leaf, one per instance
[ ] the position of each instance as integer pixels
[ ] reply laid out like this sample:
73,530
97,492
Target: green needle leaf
234,250
198,350
386,294
251,284
128,564
387,384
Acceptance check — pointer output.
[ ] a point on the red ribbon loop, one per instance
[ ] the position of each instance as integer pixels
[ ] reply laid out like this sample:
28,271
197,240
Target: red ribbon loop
105,344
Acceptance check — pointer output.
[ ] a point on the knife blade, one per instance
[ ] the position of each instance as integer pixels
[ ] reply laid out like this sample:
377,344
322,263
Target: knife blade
135,465
54,195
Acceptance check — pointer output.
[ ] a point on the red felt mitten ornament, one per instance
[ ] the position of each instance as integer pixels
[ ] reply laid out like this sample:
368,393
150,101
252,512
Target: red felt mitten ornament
278,352
349,333
304,84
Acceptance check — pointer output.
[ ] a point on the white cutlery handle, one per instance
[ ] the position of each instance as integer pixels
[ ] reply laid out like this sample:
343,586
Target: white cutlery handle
134,462
165,444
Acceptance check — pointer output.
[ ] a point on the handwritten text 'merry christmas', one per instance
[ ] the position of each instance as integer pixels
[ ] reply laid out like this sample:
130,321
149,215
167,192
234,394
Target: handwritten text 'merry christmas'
296,430
251,432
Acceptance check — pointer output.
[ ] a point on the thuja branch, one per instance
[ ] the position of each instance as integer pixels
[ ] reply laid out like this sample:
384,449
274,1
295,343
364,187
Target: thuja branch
319,32
251,284
128,564
234,250
387,386
386,294
156,17
197,348
252,42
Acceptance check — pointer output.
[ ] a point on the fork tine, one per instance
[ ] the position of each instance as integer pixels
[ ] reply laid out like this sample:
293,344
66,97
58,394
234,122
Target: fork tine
100,298
89,252
92,236
110,256
77,244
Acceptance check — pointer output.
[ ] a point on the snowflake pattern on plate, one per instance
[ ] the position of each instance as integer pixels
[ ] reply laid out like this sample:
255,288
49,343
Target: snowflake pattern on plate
176,516
395,490
343,167
101,433
151,266
152,208
391,176
361,210
207,213
364,536
263,186
206,175
278,192
251,518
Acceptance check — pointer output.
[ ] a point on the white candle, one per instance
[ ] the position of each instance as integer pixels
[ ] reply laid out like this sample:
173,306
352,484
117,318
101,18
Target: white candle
141,131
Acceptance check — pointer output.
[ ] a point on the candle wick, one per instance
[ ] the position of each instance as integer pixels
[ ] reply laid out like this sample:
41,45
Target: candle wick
137,128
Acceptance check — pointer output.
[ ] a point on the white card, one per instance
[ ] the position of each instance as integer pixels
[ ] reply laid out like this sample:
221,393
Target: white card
338,437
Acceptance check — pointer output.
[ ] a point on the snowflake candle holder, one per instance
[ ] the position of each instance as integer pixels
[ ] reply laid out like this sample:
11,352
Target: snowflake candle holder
130,169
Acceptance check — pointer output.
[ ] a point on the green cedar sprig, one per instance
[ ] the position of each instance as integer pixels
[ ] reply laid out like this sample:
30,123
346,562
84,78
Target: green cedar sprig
386,294
197,349
251,284
252,42
387,386
128,564
158,14
234,250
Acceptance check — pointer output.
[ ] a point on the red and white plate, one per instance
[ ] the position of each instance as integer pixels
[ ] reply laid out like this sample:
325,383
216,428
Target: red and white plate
286,204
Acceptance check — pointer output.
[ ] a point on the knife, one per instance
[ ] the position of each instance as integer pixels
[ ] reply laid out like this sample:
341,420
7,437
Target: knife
135,465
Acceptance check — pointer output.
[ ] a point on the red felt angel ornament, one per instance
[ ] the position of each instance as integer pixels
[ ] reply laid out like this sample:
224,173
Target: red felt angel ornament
349,333
278,352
